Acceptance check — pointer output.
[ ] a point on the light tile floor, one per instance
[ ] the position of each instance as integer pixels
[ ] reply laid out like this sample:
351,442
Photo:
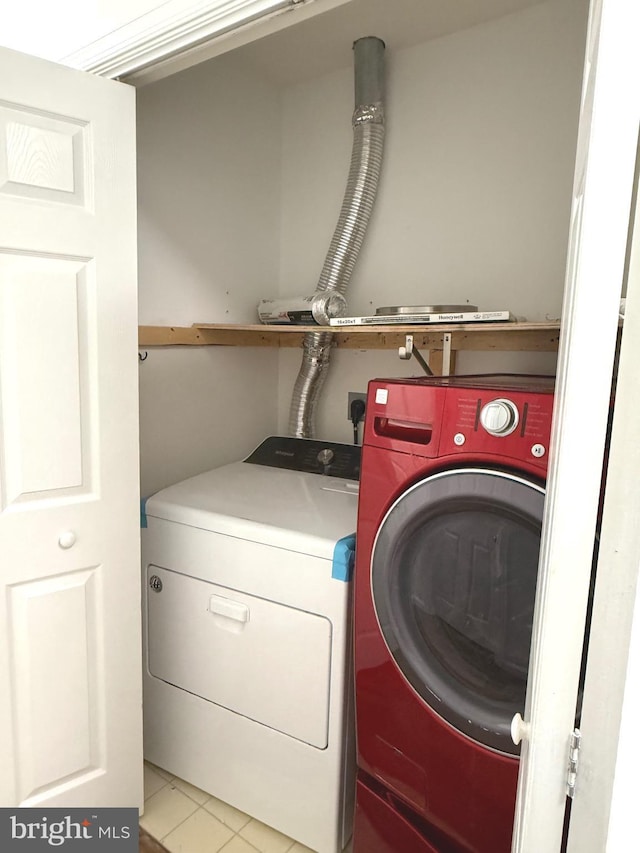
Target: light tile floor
188,820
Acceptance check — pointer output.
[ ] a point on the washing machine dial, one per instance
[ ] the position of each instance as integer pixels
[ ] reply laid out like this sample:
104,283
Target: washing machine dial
499,417
325,457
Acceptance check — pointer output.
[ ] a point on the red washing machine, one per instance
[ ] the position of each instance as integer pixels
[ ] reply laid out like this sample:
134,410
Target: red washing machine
449,521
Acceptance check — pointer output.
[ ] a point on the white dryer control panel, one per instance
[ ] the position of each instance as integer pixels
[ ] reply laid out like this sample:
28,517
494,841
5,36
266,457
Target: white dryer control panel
309,455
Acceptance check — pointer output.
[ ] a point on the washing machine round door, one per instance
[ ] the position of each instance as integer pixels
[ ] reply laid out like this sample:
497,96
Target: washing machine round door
453,574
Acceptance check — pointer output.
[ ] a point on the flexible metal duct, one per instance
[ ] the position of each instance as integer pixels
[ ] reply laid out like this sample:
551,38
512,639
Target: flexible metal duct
360,193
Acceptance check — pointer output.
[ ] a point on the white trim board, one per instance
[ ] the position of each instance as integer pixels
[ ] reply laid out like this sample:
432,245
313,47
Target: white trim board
181,33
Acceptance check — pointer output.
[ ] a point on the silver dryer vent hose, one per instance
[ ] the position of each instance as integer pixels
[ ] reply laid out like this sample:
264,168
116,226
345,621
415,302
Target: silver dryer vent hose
357,204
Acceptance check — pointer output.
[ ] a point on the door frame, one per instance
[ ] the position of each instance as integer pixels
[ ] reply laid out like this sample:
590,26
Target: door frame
180,33
603,184
605,784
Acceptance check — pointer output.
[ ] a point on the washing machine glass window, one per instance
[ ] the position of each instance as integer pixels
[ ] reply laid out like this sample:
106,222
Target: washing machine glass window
453,575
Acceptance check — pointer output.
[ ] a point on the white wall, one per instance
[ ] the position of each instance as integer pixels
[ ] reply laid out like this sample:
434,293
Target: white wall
474,200
208,186
240,186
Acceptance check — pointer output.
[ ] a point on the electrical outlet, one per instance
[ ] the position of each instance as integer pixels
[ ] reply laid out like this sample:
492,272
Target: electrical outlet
354,395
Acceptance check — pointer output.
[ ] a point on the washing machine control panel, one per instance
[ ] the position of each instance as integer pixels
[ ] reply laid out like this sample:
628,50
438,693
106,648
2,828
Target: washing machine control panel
514,424
502,416
309,455
499,417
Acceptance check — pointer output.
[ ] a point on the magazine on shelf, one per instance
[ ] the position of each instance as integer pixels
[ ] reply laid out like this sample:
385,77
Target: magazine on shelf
410,319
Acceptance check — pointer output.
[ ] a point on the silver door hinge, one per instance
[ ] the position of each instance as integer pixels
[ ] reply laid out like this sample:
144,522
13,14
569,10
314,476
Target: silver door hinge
574,755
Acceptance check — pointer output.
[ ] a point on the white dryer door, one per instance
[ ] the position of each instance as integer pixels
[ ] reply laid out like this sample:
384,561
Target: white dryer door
258,658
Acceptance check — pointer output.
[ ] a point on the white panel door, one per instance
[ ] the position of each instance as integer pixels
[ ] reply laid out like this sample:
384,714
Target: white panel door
70,683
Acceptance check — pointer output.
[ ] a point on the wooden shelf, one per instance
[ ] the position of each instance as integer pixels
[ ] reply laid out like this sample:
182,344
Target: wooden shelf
499,337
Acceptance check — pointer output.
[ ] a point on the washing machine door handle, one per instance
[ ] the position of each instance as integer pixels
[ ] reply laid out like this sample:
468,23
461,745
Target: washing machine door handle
519,729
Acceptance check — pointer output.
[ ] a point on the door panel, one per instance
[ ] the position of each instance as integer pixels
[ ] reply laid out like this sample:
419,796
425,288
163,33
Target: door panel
70,683
42,156
57,742
46,405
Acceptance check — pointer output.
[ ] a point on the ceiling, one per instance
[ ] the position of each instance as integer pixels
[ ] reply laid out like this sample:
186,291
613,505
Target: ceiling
322,44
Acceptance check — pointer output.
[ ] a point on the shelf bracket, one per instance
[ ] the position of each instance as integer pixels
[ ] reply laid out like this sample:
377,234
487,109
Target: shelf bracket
446,354
405,352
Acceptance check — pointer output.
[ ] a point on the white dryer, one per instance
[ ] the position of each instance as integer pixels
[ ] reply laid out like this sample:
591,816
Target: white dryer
247,635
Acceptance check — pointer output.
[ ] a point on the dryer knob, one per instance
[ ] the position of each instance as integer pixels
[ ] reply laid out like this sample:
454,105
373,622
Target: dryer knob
499,417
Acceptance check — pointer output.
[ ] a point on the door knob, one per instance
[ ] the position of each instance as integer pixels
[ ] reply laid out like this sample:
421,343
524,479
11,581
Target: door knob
67,539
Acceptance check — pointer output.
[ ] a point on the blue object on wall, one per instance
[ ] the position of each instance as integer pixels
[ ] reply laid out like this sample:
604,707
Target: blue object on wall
143,512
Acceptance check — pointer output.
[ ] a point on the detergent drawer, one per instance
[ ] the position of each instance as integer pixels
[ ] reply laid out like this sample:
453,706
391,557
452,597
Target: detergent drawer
264,660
